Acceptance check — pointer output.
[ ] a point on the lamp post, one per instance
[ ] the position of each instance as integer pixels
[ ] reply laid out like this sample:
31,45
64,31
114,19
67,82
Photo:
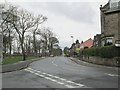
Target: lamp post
72,39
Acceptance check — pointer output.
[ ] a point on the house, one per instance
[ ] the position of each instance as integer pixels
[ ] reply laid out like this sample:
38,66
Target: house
88,43
97,40
110,22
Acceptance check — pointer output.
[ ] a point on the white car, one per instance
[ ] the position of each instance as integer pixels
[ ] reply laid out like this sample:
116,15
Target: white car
117,43
52,55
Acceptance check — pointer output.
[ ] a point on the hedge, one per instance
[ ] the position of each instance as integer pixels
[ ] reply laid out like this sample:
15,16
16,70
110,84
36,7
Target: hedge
104,52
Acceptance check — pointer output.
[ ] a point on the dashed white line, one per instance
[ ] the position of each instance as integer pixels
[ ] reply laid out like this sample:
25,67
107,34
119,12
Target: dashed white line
113,75
63,79
44,73
81,85
53,62
50,75
49,78
60,83
53,80
55,76
70,82
67,83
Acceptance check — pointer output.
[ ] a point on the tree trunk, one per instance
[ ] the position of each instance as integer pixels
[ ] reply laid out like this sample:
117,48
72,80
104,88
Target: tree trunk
10,47
23,52
34,43
22,46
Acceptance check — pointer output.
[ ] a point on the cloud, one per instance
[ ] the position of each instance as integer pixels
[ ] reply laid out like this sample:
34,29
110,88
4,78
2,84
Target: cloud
80,12
81,19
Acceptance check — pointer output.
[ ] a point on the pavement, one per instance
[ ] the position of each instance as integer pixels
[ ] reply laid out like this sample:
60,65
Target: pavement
61,72
17,66
85,63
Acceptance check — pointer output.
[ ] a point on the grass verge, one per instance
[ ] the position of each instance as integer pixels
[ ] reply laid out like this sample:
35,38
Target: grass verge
14,59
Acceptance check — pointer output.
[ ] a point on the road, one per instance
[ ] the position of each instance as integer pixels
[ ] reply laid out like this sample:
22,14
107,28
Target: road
61,72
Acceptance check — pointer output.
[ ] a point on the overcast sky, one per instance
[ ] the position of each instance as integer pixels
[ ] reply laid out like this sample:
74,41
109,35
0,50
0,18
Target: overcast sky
78,18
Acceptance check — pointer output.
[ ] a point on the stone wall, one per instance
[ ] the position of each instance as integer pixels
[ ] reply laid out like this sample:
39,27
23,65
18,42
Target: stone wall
102,61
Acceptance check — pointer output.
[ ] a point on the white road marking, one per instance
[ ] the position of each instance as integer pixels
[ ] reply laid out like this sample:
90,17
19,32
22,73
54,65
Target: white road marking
55,76
69,86
44,73
60,83
49,78
54,63
35,73
63,79
67,83
81,85
70,82
113,75
53,80
50,75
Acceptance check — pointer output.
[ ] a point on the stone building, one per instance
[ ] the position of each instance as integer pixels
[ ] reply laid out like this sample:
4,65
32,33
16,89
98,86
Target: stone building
110,22
97,40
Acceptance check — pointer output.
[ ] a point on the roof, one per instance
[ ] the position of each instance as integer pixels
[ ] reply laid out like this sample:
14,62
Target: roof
113,10
88,43
111,7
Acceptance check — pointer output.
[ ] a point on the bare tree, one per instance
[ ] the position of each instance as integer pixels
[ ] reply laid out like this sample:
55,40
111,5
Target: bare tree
52,41
46,35
49,39
28,47
40,19
25,23
8,32
6,16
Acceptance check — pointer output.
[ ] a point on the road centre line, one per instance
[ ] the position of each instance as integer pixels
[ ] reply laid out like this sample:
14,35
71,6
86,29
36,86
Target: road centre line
39,73
54,63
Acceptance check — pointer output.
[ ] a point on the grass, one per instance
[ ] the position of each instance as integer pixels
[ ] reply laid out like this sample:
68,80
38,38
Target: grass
14,59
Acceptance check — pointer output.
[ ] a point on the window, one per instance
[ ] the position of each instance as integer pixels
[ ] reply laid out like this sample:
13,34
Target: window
109,40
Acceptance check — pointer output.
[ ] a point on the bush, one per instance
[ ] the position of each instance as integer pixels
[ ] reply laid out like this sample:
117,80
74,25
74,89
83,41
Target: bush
104,52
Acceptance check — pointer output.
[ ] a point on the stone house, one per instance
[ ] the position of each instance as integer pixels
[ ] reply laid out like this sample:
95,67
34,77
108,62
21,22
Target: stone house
110,22
97,40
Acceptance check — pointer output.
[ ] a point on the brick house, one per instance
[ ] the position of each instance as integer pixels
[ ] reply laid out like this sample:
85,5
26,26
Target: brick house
88,43
110,22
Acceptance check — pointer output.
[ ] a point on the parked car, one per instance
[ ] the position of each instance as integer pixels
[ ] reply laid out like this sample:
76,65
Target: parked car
51,55
117,43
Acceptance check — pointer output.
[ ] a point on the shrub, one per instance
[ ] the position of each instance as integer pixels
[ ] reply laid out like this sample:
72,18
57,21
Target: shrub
104,52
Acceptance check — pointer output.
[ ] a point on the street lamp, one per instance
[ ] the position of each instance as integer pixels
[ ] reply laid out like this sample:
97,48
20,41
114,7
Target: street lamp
72,39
